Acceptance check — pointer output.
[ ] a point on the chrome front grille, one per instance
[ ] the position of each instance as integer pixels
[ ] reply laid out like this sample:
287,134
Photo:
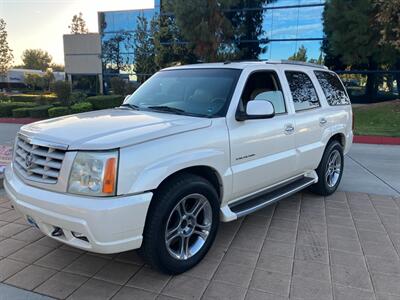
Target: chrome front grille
38,162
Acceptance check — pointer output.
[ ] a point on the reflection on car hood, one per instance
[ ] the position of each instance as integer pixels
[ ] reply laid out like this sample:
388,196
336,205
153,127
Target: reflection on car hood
112,128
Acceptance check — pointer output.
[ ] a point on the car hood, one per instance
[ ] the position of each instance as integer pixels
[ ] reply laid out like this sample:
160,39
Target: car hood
112,128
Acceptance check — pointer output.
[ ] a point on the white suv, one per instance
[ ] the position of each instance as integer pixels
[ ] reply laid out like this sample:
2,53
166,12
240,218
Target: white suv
192,146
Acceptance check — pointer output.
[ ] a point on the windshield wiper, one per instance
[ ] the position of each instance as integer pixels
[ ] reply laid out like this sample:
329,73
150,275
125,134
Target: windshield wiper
132,106
166,109
178,111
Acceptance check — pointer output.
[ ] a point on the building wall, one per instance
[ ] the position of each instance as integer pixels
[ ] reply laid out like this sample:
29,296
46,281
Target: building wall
287,25
83,63
82,53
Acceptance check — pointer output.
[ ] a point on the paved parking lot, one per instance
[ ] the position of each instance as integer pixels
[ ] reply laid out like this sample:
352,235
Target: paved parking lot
342,247
346,246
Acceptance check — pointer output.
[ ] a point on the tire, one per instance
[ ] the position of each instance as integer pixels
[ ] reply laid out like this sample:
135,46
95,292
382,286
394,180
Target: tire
327,185
169,218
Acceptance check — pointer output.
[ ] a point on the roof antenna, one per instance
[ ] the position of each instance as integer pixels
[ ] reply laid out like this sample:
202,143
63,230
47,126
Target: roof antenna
227,62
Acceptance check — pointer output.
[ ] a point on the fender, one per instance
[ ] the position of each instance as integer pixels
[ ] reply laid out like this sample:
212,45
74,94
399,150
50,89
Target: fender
152,175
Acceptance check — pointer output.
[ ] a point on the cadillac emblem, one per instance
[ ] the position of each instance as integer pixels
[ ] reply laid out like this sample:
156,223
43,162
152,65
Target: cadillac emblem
29,161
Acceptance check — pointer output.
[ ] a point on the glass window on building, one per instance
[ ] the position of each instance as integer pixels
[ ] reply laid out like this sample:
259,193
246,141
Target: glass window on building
88,84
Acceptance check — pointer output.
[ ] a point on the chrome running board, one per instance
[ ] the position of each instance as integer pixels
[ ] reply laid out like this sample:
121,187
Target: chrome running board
259,201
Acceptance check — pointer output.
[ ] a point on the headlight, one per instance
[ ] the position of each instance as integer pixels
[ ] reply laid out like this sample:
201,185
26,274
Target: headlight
94,174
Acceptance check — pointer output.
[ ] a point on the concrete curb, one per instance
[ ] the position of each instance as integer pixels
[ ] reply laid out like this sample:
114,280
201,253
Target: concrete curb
22,121
377,140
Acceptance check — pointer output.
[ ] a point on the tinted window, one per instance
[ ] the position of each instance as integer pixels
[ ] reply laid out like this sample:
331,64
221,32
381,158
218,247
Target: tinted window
332,87
198,92
303,91
263,86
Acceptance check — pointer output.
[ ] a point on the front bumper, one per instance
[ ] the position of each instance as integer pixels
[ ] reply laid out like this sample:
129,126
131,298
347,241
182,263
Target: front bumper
110,225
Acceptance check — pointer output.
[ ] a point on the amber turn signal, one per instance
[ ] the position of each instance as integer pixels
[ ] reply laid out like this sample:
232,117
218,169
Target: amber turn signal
110,174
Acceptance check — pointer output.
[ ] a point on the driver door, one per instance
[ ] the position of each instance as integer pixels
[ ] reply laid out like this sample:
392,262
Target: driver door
263,151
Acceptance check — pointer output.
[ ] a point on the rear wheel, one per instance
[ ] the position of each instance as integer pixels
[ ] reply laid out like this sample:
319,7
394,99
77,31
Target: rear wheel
181,225
330,170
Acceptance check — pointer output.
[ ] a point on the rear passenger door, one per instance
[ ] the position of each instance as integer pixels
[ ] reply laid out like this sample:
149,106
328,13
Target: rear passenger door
310,119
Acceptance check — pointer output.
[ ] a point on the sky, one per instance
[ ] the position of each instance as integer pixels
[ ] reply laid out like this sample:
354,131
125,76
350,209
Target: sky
41,24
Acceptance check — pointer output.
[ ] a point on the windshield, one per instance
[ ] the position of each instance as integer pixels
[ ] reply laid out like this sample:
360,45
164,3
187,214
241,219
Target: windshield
194,92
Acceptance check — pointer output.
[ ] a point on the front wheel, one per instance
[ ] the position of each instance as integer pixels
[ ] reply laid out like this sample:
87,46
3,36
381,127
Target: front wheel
181,225
330,170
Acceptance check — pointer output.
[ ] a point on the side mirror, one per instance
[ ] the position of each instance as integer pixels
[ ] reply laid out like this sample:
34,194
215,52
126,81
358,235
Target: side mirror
257,109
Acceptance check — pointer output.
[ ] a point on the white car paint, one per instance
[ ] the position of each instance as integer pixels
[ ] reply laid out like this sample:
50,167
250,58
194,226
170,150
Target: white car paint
247,157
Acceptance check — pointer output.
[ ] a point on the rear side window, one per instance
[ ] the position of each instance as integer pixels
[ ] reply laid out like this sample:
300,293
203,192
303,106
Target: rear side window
303,91
332,87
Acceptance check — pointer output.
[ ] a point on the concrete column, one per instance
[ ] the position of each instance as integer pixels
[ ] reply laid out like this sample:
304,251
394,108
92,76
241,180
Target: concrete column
101,89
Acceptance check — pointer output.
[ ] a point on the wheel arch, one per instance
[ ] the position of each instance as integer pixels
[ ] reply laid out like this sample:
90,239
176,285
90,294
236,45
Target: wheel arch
207,172
340,137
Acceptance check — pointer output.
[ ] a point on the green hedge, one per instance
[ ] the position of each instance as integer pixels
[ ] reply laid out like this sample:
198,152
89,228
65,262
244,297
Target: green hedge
40,112
81,107
24,98
6,108
21,112
58,111
104,102
32,98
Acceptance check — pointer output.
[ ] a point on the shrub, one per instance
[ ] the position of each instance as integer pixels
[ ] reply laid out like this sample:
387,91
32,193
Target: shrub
6,108
103,102
58,111
78,97
81,107
21,112
118,85
40,112
4,97
24,98
44,99
63,91
130,88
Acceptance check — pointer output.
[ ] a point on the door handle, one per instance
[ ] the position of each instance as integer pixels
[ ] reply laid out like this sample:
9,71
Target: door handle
323,121
289,129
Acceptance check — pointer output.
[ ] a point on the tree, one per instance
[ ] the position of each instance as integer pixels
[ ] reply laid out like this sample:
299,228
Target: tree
57,67
300,55
63,91
144,48
170,50
118,86
113,58
204,25
319,61
388,16
248,26
34,81
6,56
353,35
36,59
78,25
48,79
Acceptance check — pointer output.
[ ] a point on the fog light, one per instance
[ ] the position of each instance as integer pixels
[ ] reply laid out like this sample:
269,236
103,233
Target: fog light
57,232
80,236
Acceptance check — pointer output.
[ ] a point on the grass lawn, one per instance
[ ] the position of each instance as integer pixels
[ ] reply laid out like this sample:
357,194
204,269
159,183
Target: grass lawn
378,119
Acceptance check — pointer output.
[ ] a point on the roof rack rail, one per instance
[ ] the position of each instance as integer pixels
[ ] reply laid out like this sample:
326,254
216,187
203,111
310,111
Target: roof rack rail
299,63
